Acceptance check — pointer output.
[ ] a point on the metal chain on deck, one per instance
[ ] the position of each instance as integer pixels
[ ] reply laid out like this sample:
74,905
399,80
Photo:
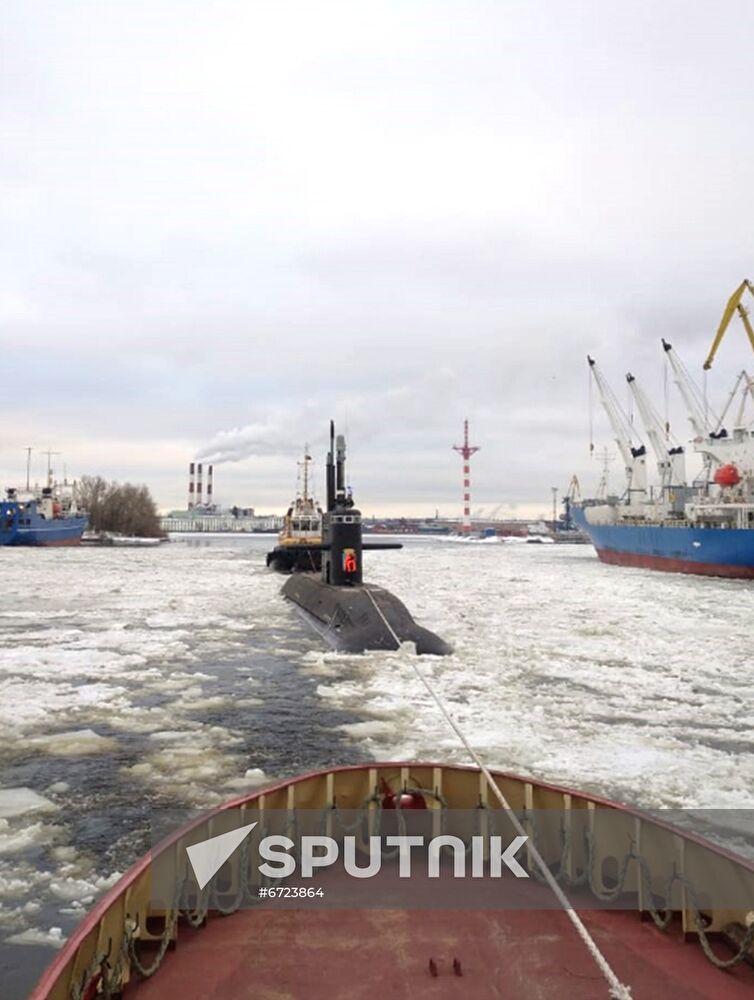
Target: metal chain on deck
110,980
720,963
661,918
243,871
529,821
129,943
97,965
743,952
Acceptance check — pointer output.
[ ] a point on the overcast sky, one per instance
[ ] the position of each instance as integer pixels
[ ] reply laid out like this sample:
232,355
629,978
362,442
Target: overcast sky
224,222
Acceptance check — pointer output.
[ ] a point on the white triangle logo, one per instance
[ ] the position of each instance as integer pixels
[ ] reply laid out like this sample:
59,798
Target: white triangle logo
208,856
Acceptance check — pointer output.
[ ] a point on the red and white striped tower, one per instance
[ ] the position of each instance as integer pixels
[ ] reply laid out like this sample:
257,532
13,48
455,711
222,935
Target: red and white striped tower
466,451
199,487
191,487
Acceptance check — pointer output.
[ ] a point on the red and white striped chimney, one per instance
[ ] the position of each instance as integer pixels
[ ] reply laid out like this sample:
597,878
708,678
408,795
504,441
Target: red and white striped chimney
191,487
199,490
209,486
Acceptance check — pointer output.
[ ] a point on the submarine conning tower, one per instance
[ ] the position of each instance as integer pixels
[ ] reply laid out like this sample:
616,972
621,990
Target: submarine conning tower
341,522
348,614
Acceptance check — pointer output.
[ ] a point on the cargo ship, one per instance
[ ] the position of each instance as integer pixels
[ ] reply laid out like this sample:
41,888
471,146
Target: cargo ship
50,517
704,526
703,549
652,910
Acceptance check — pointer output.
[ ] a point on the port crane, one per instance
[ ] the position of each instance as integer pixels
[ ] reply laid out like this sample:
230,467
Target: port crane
671,461
634,458
735,305
743,386
701,418
573,494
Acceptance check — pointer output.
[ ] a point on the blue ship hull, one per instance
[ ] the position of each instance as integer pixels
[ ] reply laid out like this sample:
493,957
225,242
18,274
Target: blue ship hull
22,524
682,549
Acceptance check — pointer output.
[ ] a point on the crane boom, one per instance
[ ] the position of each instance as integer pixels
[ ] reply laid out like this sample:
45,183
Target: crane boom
700,417
748,391
734,306
634,458
671,463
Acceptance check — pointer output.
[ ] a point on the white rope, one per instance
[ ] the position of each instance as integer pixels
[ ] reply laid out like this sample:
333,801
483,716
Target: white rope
618,991
388,626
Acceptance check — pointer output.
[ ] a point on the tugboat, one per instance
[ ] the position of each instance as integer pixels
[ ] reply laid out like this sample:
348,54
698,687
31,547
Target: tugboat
350,615
296,549
50,517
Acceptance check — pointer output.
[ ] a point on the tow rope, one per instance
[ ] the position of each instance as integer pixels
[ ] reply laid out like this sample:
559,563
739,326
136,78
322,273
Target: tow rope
618,990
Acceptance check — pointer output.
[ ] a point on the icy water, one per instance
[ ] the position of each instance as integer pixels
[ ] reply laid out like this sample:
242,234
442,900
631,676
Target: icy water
134,680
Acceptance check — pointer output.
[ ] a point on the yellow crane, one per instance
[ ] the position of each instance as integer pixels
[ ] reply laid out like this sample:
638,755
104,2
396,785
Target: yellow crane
734,305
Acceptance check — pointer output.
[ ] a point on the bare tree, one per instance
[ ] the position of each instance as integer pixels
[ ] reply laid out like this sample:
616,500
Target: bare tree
123,509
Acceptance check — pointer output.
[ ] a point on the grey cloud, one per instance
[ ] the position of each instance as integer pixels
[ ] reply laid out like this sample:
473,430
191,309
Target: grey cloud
225,223
409,409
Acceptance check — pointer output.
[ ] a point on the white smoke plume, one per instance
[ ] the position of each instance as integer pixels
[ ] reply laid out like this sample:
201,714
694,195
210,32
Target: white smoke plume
281,432
284,430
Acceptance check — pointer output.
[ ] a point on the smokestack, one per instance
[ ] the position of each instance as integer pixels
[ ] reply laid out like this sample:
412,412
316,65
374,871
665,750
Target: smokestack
199,490
191,487
209,486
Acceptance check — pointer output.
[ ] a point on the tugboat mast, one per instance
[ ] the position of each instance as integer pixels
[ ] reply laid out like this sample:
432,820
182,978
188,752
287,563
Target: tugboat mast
305,467
306,472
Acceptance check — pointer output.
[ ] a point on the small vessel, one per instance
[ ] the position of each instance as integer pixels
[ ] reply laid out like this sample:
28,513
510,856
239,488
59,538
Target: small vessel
302,529
50,517
121,541
486,536
646,909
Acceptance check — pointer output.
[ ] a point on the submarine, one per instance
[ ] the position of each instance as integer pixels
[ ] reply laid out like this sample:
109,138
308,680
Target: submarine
349,614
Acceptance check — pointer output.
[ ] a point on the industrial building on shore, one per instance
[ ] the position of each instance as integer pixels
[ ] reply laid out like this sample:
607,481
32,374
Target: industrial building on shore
202,514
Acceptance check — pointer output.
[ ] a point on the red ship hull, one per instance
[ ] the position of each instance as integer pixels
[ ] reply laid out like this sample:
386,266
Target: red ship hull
274,951
639,561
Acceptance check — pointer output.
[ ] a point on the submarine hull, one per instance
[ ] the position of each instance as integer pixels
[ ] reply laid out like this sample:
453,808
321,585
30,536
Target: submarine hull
354,619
